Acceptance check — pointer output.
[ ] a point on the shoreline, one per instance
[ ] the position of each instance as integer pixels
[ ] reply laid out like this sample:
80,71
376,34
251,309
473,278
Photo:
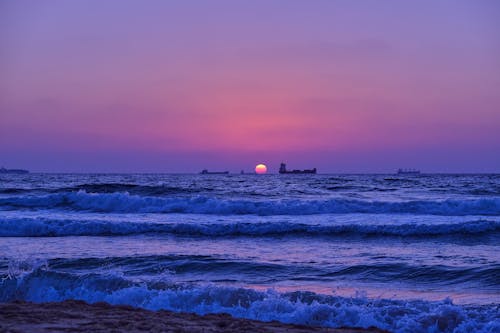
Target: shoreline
79,316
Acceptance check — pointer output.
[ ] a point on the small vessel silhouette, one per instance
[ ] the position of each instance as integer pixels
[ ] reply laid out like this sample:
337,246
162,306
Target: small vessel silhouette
283,170
206,172
15,171
408,172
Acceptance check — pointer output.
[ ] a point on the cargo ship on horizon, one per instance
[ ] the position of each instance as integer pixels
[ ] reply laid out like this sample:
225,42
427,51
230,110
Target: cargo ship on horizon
283,170
14,171
206,172
408,172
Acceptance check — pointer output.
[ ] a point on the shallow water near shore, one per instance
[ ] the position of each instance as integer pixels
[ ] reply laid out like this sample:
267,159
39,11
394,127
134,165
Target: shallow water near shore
407,254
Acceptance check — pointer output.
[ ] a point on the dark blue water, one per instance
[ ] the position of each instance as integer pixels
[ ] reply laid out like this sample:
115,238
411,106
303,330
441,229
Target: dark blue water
408,254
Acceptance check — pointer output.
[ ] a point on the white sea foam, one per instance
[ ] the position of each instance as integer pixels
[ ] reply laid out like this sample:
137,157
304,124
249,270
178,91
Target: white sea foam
296,307
127,203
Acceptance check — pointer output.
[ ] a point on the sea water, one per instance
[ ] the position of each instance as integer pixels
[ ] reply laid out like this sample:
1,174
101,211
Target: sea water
403,253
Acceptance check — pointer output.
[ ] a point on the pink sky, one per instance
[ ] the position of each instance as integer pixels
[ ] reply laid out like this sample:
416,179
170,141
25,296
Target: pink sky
173,86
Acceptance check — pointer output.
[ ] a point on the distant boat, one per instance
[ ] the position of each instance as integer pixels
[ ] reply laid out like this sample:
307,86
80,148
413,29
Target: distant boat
283,170
15,171
206,172
408,172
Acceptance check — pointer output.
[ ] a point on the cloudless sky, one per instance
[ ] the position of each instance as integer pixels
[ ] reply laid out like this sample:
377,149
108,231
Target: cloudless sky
179,86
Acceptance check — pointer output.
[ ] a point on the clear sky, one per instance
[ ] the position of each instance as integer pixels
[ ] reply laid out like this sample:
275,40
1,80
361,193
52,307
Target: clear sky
179,86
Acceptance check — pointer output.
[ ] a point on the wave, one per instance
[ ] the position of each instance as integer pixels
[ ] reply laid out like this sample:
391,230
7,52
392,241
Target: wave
133,189
255,272
128,203
46,227
110,188
13,190
305,308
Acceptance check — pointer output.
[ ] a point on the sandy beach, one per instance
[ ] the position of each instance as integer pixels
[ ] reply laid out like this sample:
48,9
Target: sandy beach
78,316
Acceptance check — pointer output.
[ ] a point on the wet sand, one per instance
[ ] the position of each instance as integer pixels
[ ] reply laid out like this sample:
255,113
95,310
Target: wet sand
78,316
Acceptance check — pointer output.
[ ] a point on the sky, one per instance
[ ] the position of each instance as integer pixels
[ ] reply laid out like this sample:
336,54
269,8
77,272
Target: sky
181,86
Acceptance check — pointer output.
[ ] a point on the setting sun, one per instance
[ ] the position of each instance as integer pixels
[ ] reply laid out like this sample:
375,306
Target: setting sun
261,169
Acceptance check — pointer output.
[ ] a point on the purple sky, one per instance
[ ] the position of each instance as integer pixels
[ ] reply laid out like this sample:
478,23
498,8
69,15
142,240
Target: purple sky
178,86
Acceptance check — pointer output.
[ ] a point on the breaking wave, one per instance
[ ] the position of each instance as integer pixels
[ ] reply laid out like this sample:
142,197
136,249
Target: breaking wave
43,227
258,272
128,203
299,307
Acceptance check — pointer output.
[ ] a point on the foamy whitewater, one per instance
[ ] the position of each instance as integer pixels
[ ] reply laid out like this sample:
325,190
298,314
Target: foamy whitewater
402,253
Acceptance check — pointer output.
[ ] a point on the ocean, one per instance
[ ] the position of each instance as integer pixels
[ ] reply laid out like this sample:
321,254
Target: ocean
402,253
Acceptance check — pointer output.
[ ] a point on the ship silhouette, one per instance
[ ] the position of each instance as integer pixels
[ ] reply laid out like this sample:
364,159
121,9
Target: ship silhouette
206,172
408,172
16,171
283,170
